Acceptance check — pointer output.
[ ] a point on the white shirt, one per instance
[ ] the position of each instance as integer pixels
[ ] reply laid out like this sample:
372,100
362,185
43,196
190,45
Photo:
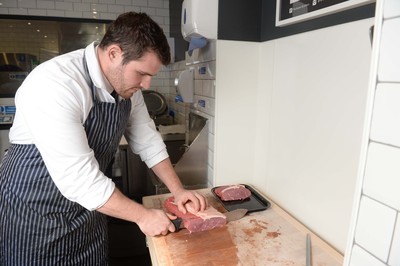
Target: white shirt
52,105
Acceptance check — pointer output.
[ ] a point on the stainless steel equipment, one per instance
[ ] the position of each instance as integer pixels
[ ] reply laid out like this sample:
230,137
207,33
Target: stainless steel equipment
192,167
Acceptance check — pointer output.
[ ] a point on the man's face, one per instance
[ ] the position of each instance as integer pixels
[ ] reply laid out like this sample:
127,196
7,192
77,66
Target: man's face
135,75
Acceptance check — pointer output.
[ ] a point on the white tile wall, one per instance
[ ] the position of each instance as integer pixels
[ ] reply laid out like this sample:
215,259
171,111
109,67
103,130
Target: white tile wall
203,61
382,172
363,258
394,258
386,110
375,236
105,9
375,227
389,57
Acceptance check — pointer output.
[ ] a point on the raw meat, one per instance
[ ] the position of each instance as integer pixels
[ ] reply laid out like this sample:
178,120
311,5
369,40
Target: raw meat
233,192
194,221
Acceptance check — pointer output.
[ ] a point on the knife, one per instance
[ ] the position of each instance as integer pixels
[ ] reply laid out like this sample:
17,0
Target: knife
230,217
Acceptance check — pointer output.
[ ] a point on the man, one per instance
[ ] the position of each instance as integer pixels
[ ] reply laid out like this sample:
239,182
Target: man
54,195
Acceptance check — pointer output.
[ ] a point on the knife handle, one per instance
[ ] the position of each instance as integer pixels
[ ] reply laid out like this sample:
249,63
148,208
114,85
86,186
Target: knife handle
177,223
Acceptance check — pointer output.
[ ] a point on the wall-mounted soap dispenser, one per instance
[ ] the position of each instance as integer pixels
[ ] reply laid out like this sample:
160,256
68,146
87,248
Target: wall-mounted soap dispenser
199,22
199,19
185,85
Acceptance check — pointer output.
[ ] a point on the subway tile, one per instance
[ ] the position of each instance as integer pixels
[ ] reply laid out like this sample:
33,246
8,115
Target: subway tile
73,14
124,2
162,12
210,140
386,114
64,6
9,3
391,8
116,9
149,11
140,2
55,13
210,157
37,12
4,11
198,87
90,1
89,14
382,172
156,3
360,257
210,176
375,226
389,60
27,3
211,125
46,4
81,7
209,88
159,20
18,11
99,8
394,258
109,16
110,2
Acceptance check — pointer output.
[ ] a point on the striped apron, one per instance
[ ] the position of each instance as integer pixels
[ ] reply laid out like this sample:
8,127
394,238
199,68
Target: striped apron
38,226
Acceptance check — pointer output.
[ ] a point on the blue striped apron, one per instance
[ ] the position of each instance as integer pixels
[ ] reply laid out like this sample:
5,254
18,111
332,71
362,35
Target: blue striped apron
38,226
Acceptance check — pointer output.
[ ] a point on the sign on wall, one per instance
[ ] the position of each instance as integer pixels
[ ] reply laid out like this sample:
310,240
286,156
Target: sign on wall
293,11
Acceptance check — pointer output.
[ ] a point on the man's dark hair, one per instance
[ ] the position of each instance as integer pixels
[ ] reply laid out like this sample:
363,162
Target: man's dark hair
136,34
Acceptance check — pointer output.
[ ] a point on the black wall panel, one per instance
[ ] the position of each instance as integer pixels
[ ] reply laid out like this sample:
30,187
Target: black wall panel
240,20
254,20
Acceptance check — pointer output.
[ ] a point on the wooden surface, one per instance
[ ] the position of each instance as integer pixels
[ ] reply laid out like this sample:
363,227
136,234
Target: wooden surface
270,237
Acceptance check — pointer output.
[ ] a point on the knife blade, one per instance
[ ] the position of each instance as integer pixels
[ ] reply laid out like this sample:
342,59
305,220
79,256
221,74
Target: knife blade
230,217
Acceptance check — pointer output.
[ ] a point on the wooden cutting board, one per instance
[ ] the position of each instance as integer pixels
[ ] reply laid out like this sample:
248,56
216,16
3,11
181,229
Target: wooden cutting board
270,237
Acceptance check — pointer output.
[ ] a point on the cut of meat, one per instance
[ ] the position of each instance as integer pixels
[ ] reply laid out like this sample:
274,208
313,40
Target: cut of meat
233,192
194,221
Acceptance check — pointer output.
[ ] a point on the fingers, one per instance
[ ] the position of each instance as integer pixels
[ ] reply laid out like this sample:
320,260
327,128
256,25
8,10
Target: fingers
171,227
199,201
171,216
181,206
196,201
203,202
157,222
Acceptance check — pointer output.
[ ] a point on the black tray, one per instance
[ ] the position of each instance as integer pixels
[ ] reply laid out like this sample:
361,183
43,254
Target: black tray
254,203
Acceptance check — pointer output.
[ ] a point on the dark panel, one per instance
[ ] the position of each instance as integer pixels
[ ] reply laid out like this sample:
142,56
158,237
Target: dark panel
270,32
175,9
239,20
244,21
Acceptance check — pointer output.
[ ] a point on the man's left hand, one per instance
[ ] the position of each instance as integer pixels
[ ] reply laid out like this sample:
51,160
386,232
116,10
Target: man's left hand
198,201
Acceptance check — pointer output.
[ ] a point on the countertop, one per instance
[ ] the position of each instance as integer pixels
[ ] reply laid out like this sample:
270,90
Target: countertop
269,237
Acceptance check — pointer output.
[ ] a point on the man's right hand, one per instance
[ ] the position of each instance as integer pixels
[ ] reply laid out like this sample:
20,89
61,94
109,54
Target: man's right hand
155,222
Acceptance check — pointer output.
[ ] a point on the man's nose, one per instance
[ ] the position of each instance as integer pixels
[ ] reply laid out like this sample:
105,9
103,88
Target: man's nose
146,82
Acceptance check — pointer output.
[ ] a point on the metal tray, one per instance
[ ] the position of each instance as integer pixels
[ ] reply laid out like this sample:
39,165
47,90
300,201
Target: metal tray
254,203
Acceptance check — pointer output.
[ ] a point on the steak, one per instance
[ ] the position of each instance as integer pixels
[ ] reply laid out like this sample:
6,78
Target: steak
233,192
194,221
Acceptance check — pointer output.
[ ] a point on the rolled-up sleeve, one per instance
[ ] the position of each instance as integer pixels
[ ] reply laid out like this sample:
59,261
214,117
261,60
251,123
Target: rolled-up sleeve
142,135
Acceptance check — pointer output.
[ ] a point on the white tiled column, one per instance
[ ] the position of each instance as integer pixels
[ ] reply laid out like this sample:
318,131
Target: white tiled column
375,235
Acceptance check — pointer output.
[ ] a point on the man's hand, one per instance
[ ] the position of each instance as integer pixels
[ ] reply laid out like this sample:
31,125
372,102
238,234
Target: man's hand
155,222
196,200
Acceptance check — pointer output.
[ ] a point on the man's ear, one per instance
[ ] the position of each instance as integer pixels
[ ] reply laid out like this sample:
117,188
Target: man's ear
114,53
